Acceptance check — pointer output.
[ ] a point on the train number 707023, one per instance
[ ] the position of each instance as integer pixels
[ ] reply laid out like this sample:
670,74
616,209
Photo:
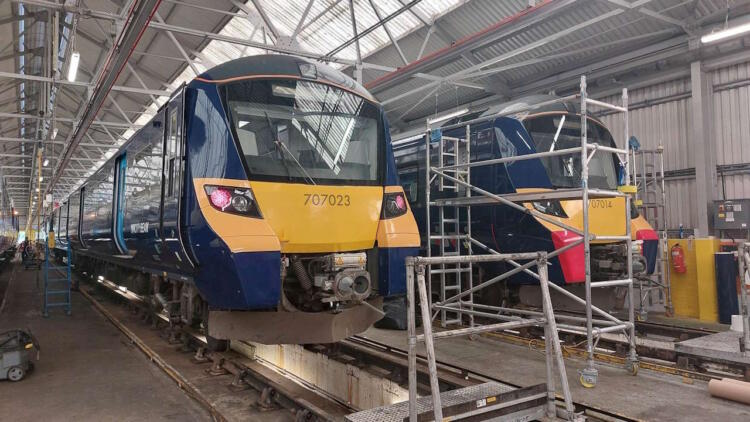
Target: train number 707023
322,199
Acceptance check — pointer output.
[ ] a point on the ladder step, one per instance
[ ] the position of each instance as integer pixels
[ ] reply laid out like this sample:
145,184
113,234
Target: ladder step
58,304
57,292
452,288
451,253
450,270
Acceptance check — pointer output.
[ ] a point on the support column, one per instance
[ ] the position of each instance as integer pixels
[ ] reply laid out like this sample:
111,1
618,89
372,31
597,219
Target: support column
703,145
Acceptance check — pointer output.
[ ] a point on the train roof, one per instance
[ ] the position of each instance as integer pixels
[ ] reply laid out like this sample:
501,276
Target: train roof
523,102
281,65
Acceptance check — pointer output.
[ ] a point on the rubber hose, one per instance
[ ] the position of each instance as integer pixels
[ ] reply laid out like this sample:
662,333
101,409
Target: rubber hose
301,273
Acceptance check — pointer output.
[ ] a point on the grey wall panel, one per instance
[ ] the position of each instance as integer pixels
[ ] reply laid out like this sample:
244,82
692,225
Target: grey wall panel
732,125
660,114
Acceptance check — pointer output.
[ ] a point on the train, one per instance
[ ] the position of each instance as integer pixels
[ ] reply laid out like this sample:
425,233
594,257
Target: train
8,223
260,203
549,127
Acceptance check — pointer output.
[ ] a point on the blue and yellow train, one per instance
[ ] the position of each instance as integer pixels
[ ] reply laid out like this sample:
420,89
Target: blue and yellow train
261,200
547,128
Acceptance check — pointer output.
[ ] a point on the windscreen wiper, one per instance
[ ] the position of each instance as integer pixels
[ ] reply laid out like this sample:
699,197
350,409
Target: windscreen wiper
284,148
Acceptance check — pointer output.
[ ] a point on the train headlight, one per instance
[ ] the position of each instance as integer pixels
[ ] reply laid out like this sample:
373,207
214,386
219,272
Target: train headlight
394,205
233,200
240,203
550,208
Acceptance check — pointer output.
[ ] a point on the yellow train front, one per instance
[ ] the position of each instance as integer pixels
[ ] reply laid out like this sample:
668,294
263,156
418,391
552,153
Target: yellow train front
294,210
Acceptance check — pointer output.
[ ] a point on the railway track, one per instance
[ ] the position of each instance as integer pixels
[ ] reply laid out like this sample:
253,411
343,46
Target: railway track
253,367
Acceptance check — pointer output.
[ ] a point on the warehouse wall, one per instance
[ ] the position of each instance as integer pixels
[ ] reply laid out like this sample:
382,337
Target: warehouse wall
660,114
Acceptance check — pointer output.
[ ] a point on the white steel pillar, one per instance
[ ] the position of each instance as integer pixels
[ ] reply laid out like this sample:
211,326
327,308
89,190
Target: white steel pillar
703,144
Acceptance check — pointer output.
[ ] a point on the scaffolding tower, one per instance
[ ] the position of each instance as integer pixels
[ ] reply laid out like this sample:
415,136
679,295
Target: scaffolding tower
651,201
453,174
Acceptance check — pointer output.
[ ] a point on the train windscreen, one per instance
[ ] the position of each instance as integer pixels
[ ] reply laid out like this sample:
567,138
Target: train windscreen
304,131
552,132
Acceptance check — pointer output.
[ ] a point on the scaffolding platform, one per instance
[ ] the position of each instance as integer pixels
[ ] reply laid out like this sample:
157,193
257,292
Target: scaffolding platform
651,396
491,400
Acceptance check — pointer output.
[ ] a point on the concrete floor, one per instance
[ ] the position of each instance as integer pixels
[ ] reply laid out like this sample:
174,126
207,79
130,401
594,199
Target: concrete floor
87,369
648,396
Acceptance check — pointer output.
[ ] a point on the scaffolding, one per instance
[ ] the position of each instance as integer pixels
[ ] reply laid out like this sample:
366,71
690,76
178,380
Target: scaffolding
651,200
477,402
453,174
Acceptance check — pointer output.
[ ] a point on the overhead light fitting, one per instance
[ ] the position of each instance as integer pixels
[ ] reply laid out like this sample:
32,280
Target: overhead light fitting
725,33
447,116
46,162
73,68
54,133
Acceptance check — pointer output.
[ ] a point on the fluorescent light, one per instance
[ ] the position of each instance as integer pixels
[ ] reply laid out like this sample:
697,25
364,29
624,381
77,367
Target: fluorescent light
54,133
73,68
725,33
447,116
46,162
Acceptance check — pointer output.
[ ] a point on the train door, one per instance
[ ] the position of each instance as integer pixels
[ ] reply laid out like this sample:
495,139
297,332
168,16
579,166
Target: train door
79,231
172,182
118,206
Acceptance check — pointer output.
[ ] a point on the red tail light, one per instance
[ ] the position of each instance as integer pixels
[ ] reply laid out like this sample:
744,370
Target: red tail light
233,200
394,205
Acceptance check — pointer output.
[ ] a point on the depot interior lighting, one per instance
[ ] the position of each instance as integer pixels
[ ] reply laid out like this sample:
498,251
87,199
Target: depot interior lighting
54,133
726,33
447,116
46,162
73,68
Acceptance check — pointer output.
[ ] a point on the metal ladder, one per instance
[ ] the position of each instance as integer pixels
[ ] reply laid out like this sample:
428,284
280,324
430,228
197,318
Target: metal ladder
451,235
651,201
56,286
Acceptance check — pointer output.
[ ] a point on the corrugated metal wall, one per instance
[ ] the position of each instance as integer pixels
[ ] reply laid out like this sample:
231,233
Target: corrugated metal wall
660,115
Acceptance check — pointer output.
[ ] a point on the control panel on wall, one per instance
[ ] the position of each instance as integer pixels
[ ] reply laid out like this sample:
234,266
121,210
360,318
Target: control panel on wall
731,214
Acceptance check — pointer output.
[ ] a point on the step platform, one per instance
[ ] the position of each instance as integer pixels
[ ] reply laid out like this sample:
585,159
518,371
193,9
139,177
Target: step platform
490,401
719,347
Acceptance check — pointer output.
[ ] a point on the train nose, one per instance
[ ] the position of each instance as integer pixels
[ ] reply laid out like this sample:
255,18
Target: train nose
316,218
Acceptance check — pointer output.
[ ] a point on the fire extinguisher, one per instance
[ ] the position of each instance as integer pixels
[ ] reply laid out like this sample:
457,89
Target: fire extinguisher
678,259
